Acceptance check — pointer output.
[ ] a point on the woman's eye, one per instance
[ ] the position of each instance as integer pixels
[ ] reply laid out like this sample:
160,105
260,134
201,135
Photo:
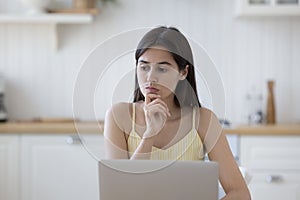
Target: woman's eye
144,67
162,69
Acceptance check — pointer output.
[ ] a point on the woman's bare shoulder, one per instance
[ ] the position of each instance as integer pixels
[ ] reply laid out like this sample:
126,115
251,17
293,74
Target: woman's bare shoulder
201,116
207,120
206,113
204,109
120,107
121,113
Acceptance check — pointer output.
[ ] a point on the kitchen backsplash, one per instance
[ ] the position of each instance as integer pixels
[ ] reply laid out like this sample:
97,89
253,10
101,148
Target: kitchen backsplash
247,52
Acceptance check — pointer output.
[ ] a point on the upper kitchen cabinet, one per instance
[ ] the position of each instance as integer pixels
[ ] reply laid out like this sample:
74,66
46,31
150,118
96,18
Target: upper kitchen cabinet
267,8
51,19
48,12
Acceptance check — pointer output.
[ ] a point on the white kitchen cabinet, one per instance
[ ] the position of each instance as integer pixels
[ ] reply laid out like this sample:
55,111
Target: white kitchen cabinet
57,167
9,167
52,20
278,184
267,8
274,164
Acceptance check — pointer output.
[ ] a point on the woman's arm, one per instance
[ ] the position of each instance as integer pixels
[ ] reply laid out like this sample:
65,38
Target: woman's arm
114,136
230,176
218,150
143,151
119,116
115,141
156,113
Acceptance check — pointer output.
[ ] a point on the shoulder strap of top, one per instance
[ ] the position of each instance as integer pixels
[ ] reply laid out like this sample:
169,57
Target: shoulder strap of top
194,118
133,116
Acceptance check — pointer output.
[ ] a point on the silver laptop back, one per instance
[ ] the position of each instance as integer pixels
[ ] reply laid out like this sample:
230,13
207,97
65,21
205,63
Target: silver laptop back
158,180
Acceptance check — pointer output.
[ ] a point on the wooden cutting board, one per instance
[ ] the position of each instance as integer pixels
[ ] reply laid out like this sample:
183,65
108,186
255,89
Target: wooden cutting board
53,120
93,11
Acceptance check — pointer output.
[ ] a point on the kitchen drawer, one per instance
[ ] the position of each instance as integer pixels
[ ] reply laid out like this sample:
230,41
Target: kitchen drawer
270,152
275,184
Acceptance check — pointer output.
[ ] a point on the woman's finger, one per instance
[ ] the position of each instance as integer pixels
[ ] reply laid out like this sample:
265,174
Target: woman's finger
159,111
150,97
159,101
157,108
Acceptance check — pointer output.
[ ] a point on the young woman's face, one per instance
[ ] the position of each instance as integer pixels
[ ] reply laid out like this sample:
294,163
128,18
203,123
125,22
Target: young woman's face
157,72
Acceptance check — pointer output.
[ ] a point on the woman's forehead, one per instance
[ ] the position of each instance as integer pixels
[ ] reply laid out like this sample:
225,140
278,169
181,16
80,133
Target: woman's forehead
157,55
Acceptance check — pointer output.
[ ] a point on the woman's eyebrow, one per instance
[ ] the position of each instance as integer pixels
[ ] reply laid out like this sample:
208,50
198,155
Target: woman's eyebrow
164,63
160,63
143,61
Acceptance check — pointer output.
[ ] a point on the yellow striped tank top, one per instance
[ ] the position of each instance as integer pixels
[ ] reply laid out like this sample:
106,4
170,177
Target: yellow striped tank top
188,148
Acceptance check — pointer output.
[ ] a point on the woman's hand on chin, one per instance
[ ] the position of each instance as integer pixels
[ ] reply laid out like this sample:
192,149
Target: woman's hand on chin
156,112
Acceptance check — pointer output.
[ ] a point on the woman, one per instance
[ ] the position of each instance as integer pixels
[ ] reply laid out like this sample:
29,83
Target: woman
166,120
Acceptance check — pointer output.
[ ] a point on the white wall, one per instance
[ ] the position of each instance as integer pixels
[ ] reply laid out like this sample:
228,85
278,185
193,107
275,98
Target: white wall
246,52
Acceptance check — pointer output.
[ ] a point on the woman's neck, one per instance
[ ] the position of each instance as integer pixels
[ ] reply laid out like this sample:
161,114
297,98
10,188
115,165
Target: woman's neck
173,108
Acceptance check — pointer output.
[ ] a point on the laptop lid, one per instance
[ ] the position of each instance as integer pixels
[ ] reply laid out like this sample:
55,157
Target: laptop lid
158,180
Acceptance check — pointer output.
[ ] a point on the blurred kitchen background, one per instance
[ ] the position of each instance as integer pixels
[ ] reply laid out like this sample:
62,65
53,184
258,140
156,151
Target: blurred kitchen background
42,49
247,52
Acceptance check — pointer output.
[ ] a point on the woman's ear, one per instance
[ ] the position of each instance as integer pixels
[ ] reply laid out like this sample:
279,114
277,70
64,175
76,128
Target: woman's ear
184,73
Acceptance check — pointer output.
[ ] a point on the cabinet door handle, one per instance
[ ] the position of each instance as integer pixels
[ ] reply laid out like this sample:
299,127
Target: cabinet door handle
274,178
73,139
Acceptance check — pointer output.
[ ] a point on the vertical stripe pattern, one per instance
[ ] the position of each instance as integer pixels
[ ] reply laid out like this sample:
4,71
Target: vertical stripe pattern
188,148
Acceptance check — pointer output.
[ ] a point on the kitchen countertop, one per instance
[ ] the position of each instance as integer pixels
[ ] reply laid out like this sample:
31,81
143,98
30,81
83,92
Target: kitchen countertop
277,129
51,127
94,127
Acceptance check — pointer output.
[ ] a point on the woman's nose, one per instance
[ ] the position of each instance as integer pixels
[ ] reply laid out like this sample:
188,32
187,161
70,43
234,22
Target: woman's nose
152,76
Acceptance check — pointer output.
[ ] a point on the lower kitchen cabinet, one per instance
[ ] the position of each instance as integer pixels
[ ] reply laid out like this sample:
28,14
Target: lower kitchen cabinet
278,184
274,164
9,167
59,167
49,167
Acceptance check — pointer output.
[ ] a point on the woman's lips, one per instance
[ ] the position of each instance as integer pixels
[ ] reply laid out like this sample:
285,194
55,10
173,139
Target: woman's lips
151,90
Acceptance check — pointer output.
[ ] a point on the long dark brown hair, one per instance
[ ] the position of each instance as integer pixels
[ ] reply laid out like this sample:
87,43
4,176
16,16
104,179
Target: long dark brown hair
177,45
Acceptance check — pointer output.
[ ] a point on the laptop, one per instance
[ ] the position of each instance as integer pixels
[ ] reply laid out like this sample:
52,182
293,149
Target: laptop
158,180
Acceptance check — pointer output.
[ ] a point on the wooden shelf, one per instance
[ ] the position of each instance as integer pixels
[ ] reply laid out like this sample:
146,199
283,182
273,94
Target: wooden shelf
47,18
245,8
51,19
